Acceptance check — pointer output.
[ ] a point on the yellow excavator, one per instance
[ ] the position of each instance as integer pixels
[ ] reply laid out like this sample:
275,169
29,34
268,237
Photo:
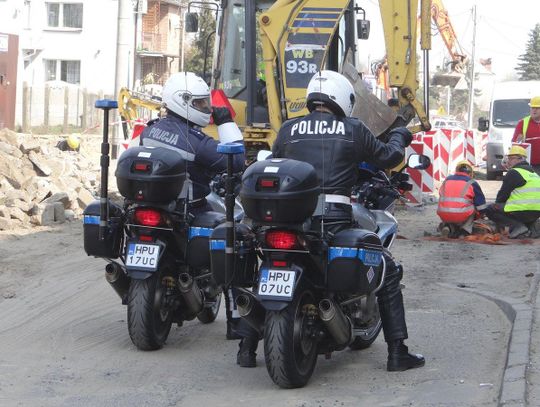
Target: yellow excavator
267,51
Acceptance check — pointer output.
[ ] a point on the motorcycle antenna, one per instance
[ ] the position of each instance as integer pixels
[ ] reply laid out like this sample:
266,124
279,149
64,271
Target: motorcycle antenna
106,105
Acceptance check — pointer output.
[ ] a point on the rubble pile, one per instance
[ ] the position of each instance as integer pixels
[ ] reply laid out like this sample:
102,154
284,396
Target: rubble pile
42,185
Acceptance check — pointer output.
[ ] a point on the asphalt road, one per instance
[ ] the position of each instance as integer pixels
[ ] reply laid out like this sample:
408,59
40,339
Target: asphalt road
64,339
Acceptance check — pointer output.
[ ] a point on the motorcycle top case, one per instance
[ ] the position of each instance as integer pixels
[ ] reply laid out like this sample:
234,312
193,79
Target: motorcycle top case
200,229
279,190
245,257
355,261
111,244
150,174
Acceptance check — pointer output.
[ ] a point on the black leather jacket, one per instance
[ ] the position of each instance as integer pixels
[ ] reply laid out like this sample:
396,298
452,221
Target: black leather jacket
335,146
198,149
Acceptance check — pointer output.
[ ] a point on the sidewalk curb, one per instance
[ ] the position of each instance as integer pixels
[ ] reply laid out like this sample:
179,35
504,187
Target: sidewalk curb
513,389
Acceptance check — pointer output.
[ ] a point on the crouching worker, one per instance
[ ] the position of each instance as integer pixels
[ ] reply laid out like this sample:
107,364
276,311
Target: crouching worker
461,201
518,201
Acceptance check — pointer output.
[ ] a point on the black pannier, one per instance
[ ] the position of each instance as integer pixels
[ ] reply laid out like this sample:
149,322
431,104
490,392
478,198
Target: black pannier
355,261
200,229
279,190
245,260
111,244
150,174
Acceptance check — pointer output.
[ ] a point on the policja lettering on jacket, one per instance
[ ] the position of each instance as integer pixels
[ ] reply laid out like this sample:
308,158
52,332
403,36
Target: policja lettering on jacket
163,135
318,127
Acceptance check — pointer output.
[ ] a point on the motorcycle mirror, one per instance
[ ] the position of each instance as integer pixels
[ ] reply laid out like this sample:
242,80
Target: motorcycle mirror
418,161
263,155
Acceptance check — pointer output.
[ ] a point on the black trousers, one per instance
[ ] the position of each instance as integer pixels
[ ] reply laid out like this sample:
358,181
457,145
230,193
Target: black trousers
389,297
512,219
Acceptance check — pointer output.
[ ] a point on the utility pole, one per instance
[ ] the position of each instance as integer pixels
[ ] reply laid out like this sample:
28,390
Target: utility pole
123,55
471,90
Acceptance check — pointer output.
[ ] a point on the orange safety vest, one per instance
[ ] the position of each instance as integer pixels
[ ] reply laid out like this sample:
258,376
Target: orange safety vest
456,201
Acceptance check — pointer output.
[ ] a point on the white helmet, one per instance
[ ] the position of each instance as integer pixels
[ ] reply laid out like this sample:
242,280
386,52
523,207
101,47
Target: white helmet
188,95
332,90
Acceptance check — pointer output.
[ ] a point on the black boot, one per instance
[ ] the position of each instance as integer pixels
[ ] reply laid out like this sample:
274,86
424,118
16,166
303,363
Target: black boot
246,356
399,358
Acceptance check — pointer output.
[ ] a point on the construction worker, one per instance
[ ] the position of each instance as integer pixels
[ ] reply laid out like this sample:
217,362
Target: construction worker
518,201
528,131
71,143
335,147
461,201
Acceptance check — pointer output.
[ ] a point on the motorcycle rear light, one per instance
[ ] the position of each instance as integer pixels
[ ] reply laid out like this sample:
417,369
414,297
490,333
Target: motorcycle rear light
267,183
142,167
281,239
148,217
145,238
279,263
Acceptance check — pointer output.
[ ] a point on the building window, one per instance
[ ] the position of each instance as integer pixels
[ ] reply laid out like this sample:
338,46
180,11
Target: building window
67,71
64,15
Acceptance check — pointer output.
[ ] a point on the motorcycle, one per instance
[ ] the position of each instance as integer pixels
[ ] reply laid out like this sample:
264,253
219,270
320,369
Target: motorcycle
157,252
313,292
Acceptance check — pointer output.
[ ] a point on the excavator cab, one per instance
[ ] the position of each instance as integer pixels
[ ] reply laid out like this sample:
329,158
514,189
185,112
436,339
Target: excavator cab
266,52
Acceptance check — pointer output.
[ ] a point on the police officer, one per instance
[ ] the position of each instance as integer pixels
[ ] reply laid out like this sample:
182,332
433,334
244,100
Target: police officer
518,201
186,100
335,143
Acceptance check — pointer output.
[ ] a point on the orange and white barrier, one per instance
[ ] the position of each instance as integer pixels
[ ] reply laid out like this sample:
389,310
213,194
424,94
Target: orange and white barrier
445,148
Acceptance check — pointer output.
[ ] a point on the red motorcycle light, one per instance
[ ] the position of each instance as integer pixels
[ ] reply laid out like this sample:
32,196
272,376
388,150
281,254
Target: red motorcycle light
147,217
281,239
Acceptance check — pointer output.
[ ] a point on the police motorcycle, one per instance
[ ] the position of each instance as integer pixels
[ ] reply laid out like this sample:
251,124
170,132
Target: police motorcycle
310,292
156,252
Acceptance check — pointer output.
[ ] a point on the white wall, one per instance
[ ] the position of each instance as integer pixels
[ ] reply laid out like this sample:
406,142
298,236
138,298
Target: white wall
94,45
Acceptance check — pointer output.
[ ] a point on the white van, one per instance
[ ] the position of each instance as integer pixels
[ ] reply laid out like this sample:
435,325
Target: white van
509,104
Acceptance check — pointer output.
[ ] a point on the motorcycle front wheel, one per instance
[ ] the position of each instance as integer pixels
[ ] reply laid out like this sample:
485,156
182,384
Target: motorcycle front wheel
149,317
290,352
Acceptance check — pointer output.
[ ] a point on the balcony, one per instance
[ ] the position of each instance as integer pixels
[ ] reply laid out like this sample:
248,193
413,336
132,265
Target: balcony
152,43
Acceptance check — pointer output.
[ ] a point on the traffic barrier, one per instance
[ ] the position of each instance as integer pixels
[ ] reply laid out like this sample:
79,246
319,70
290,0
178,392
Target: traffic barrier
470,147
138,128
414,196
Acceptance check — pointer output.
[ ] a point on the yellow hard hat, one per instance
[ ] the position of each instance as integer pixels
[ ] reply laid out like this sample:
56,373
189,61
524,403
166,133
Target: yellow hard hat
535,102
73,141
465,166
517,150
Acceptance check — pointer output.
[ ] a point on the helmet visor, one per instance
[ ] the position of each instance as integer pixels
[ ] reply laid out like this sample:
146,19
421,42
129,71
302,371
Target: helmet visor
202,104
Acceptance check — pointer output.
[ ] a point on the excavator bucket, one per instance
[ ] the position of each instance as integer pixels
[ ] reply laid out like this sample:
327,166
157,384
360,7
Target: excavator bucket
376,115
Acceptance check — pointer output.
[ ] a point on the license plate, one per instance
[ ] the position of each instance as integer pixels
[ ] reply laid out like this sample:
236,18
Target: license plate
143,256
276,283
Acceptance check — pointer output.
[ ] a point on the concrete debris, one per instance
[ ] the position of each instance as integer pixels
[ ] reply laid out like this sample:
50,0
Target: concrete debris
42,185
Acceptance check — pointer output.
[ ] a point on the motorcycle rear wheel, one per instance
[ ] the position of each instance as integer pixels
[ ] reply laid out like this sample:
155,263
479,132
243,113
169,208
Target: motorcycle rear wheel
149,320
372,331
210,312
289,352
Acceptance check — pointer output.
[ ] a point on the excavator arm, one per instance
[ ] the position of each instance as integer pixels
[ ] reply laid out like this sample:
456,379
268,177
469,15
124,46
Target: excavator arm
133,106
399,18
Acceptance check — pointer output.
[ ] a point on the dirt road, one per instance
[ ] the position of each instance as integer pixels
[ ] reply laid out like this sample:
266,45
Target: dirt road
64,339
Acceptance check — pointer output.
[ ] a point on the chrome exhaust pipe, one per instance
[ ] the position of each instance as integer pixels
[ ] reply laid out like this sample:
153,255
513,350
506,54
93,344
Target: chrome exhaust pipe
336,322
252,311
119,281
191,293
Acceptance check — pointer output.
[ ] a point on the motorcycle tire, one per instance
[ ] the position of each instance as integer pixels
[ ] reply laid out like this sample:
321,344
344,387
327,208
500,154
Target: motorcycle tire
290,352
210,310
365,341
149,321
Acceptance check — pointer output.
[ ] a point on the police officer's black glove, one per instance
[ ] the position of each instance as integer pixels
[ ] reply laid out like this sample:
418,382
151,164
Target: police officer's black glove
221,115
405,134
